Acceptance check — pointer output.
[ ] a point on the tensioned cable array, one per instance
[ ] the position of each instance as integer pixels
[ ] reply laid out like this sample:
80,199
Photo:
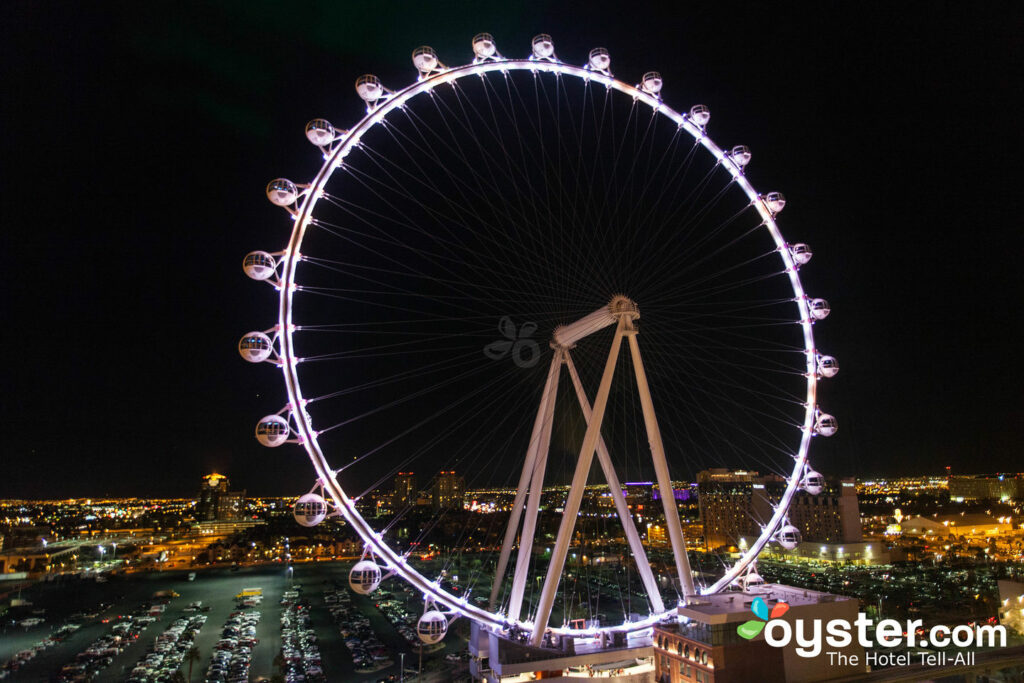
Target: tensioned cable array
460,225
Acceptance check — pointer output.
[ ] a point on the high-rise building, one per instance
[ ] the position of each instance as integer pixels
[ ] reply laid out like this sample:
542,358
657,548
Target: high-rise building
832,516
734,505
448,491
406,491
986,487
216,502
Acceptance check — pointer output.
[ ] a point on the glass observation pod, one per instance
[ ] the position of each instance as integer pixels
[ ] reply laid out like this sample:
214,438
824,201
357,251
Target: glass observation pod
424,58
599,59
740,155
651,83
752,580
819,308
364,577
320,132
543,46
775,201
369,88
801,253
272,431
432,627
282,192
828,366
255,347
484,46
826,425
310,510
788,537
259,265
700,115
812,482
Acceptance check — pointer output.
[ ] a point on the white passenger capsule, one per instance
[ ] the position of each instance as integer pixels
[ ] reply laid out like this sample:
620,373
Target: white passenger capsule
599,59
483,46
255,347
364,577
282,192
788,537
369,88
826,425
700,114
828,366
740,154
425,59
775,201
320,132
543,46
432,627
819,308
801,253
272,431
813,483
752,580
259,265
651,83
309,510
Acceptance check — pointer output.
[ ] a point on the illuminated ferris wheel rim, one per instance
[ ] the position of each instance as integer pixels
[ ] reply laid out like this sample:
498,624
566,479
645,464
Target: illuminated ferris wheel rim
338,148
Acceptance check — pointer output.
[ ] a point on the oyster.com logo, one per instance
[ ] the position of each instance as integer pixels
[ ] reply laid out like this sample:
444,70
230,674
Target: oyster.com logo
751,629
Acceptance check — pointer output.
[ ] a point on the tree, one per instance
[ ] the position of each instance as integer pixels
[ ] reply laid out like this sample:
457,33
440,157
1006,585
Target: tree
192,657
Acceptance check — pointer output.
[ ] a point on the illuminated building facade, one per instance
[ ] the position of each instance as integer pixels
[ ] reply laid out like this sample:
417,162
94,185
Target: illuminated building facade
449,491
986,487
216,502
733,504
406,491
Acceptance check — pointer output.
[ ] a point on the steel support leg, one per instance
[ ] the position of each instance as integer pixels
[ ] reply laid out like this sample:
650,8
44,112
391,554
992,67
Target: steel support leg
579,482
668,499
628,526
524,480
536,491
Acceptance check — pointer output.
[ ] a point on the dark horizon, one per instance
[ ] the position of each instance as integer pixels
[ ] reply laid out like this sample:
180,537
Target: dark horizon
142,137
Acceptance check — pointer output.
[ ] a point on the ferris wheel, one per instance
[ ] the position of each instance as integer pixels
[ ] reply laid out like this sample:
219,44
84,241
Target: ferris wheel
480,231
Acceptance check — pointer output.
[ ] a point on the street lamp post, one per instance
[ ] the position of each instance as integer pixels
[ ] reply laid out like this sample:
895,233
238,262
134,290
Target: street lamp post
401,673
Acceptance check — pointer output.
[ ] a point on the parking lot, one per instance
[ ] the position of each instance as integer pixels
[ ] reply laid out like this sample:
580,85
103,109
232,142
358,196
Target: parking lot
99,608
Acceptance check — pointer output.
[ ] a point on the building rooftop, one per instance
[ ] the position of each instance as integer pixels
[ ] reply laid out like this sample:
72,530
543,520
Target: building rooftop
728,607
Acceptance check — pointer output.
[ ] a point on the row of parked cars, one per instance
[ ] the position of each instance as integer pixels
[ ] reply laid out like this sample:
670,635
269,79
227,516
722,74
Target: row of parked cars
168,652
368,652
400,617
101,652
232,655
23,657
299,648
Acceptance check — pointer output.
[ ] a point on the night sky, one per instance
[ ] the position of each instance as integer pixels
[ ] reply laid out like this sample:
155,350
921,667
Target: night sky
137,141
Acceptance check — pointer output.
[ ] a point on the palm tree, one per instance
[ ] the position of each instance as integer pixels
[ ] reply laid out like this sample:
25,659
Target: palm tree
192,656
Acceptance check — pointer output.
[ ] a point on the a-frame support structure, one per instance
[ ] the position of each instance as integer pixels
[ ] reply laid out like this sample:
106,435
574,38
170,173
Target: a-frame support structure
621,312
